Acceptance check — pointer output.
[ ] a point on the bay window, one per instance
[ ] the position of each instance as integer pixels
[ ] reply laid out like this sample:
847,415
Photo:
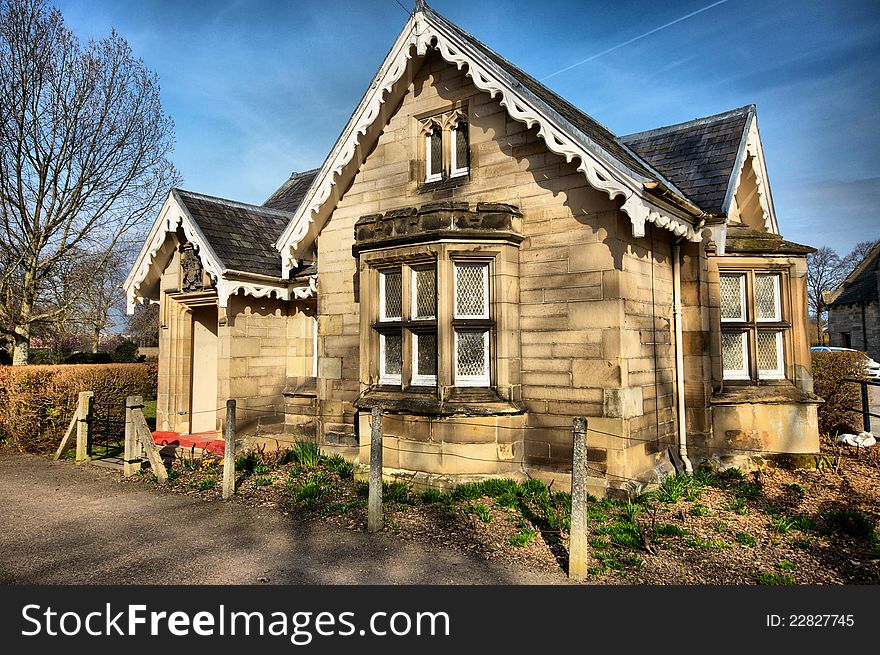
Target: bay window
753,325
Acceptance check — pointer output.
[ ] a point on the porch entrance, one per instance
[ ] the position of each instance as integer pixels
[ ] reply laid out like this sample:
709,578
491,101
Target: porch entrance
203,393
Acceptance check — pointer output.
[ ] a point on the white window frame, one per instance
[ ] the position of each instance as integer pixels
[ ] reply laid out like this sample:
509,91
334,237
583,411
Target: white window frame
414,291
743,373
315,347
473,380
742,299
485,266
384,377
777,316
779,372
382,274
421,380
454,169
431,176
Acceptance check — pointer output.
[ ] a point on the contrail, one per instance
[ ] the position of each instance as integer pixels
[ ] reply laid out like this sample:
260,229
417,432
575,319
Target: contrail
636,38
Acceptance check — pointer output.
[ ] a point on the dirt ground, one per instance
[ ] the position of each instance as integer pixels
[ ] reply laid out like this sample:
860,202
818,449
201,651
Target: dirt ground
296,520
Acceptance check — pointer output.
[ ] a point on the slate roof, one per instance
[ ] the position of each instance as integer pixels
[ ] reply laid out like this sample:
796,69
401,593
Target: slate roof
290,194
587,125
242,235
862,284
698,156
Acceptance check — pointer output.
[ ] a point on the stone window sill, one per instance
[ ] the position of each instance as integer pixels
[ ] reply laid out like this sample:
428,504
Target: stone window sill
782,393
301,387
462,402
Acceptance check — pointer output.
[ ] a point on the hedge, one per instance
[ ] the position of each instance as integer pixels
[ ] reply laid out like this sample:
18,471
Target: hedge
37,402
829,371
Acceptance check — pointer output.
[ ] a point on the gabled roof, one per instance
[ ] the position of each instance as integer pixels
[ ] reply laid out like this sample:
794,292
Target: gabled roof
607,163
240,234
698,156
861,285
290,195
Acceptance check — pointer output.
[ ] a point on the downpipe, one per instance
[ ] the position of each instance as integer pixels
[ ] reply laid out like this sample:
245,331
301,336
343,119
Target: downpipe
679,356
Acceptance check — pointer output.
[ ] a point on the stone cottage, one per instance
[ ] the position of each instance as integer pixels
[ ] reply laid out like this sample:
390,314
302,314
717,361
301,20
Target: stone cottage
854,307
485,261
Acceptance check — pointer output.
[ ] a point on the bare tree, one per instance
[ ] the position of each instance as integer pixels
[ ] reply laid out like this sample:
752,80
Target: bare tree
84,148
143,325
824,272
856,255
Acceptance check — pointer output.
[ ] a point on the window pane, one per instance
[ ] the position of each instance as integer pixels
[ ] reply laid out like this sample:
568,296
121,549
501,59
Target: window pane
392,289
426,355
425,305
767,297
733,351
436,160
769,351
393,354
461,146
470,290
470,356
732,297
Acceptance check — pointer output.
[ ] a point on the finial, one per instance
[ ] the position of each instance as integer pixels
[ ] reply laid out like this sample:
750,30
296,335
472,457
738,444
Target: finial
421,5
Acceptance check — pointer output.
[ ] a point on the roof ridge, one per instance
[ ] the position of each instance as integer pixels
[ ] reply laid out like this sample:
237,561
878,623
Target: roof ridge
694,122
235,203
857,271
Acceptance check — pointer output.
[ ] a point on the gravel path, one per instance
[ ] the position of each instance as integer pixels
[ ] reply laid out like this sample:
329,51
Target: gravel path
68,524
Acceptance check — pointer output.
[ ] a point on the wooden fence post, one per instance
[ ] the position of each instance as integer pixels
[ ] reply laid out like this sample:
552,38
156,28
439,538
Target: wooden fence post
229,451
68,436
577,546
374,501
149,445
131,462
83,426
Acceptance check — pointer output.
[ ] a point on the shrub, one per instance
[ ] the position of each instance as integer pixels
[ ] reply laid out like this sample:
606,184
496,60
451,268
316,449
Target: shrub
127,353
88,358
829,371
37,402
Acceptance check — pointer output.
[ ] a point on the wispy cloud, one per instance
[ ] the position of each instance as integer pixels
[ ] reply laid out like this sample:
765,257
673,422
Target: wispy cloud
634,39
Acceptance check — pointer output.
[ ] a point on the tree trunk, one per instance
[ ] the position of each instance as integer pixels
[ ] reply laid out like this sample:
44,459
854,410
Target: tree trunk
22,345
96,340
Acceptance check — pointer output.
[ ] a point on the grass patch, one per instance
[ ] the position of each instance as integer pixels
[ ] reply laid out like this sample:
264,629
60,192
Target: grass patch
782,524
340,466
481,511
745,539
785,565
698,509
669,530
522,538
206,483
306,453
708,544
736,505
775,579
262,481
678,486
396,492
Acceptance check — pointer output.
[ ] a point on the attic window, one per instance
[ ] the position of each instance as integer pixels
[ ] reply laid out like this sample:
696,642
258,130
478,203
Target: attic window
447,146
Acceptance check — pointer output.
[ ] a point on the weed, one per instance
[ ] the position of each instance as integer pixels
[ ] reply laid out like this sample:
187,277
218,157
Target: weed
468,491
191,464
509,500
698,509
794,487
803,523
745,539
616,561
306,453
782,524
848,522
310,491
748,490
340,466
737,505
598,543
596,514
430,496
262,481
785,565
497,487
708,544
523,537
534,488
623,533
396,492
669,530
775,579
206,483
261,469
246,462
482,512
631,510
362,489
678,486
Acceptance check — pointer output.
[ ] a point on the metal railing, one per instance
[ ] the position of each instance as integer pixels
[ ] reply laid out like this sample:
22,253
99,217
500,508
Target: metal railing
865,411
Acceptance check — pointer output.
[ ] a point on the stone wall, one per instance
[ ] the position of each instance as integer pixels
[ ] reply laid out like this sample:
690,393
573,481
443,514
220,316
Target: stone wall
861,321
595,318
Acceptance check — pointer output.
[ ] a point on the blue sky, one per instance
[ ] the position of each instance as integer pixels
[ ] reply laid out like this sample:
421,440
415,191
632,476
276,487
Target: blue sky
260,88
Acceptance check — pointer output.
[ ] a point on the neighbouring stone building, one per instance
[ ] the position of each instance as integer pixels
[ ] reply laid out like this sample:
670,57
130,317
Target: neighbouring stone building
485,262
854,308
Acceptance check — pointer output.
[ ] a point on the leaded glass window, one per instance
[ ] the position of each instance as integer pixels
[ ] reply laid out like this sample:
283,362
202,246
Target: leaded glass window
424,290
471,290
767,305
391,296
734,353
472,357
460,149
733,298
390,369
769,354
424,358
434,155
